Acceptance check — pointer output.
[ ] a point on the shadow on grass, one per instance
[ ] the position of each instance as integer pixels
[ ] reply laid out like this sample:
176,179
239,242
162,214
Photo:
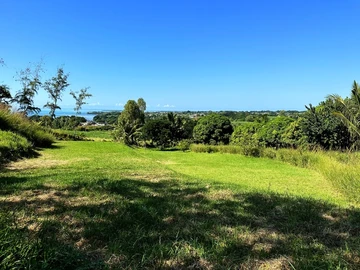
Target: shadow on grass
135,224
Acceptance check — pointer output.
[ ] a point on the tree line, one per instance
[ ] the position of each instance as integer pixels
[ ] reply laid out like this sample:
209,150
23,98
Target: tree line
334,124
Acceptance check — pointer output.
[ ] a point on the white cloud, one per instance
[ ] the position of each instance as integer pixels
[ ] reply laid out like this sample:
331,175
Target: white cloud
158,105
119,104
169,106
94,104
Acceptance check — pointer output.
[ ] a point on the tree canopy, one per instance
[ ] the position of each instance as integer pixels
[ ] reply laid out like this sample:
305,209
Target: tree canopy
213,129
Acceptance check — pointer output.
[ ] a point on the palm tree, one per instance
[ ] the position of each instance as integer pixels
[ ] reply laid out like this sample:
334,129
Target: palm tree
348,110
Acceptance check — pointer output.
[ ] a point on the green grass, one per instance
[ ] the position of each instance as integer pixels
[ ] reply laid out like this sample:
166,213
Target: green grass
341,169
19,124
98,134
98,205
13,146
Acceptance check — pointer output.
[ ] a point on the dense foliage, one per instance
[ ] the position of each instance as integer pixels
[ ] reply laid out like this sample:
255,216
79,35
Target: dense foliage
130,122
168,130
158,132
108,118
213,129
323,129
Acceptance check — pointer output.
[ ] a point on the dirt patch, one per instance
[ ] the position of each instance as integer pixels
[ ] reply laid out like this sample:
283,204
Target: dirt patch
28,164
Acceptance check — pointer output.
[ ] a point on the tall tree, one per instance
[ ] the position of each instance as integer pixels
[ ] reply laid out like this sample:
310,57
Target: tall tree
130,122
55,87
29,79
349,109
79,98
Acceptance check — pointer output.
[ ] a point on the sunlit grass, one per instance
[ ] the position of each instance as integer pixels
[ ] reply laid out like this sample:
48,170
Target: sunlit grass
94,205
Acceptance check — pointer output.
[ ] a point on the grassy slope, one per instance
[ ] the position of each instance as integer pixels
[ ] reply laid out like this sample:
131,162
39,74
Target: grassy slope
101,204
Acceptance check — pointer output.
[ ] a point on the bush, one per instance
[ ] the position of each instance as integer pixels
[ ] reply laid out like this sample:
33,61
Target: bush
95,128
226,149
184,145
64,135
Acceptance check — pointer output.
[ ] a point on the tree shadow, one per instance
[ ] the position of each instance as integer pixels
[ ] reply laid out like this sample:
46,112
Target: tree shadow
137,224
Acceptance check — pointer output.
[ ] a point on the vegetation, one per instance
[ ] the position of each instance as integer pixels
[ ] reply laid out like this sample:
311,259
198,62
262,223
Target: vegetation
213,129
55,87
19,124
97,204
108,118
340,169
63,122
80,98
168,131
136,209
130,122
13,146
348,111
30,81
5,95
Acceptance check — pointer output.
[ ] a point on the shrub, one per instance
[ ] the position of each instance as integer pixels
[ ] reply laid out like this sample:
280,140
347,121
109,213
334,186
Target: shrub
184,145
64,135
95,128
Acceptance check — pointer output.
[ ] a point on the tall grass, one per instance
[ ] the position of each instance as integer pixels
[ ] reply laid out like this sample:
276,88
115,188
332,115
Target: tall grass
13,146
341,169
19,124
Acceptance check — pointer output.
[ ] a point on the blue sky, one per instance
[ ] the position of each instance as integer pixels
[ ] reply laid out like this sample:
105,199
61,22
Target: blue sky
189,54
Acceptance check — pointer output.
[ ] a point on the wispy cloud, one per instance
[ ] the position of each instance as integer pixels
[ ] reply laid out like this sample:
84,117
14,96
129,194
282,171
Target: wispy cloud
94,104
119,104
169,106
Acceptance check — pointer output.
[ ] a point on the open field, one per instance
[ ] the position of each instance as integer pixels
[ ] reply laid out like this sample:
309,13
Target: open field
94,205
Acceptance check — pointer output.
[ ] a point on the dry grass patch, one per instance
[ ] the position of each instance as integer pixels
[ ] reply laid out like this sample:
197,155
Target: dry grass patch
29,164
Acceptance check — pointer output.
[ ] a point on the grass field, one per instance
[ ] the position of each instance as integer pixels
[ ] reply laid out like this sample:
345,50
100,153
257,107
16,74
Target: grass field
99,205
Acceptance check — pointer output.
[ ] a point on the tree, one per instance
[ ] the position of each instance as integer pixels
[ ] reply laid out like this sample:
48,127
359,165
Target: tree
323,129
158,131
55,87
213,129
349,109
181,127
142,104
79,98
29,79
271,133
5,95
130,121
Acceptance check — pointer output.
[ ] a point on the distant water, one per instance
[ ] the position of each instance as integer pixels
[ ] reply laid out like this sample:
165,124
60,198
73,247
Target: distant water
69,112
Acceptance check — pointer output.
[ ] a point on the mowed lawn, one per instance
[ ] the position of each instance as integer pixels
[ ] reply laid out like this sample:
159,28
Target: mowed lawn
99,205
